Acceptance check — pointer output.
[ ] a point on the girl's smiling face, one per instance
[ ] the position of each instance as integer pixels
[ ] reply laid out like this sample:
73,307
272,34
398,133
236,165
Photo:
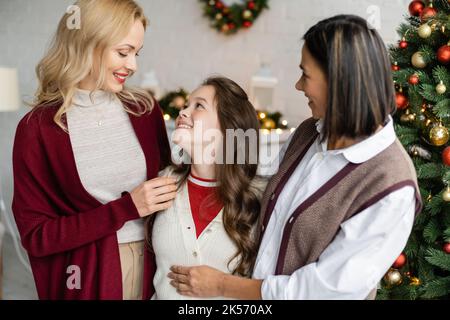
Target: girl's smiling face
314,84
199,116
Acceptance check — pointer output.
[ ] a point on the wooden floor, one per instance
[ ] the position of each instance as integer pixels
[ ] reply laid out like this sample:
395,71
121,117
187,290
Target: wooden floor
18,283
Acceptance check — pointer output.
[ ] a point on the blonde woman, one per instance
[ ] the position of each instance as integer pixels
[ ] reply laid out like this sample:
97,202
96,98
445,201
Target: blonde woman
86,159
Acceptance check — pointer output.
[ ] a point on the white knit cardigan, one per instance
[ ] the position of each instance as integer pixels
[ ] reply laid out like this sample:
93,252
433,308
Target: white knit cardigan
175,242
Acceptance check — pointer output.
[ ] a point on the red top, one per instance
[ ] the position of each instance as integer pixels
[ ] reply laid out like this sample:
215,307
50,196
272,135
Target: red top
61,225
204,204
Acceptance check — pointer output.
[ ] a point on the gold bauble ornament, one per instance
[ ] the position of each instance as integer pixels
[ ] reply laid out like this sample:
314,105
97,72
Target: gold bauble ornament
393,277
404,118
446,195
415,281
441,88
418,61
247,14
269,124
408,117
439,135
424,31
219,16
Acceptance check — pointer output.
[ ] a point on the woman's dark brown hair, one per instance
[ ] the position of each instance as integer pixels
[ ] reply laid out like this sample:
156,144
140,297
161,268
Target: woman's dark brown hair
356,63
240,200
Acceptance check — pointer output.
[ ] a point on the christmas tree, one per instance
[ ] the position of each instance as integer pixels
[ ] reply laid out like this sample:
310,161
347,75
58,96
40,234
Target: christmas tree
421,71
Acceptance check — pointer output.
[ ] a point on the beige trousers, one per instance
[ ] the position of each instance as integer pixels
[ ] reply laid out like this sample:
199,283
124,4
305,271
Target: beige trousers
132,263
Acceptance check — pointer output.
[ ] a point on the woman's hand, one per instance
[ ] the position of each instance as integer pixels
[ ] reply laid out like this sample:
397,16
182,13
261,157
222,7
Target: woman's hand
154,195
202,281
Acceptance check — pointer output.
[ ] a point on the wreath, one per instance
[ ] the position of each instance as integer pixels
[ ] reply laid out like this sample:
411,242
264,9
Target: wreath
229,19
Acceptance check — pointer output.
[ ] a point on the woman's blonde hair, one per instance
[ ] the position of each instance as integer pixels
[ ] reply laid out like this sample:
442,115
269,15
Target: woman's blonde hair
70,57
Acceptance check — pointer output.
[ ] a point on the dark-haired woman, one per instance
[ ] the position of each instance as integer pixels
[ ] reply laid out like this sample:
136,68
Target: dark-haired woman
215,213
342,205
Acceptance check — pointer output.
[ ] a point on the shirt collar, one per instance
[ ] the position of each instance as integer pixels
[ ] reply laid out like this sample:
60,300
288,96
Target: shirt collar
366,149
202,182
82,98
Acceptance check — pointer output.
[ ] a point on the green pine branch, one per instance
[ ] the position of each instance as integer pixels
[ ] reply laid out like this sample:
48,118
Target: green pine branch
446,217
412,247
431,231
446,175
434,207
425,269
430,171
428,91
437,288
415,98
438,258
441,73
442,108
446,234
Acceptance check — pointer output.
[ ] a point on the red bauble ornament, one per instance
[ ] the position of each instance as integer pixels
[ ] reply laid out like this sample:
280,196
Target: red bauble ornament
231,25
446,247
446,156
395,67
414,79
427,13
247,24
219,5
401,100
443,54
403,44
251,5
400,262
416,8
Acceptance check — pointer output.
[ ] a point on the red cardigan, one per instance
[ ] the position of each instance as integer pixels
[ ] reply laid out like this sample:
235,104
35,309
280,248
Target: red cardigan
60,223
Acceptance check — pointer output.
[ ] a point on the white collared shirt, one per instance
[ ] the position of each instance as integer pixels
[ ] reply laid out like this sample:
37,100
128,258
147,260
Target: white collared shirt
366,245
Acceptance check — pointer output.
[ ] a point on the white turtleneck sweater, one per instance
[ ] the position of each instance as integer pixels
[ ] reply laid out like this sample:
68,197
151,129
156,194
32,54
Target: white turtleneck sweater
107,153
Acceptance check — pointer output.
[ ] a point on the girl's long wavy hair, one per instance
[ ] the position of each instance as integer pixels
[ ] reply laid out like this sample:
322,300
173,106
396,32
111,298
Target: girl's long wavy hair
71,55
240,200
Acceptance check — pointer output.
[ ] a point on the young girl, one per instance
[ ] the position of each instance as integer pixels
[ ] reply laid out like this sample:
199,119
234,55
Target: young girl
216,210
342,205
82,159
